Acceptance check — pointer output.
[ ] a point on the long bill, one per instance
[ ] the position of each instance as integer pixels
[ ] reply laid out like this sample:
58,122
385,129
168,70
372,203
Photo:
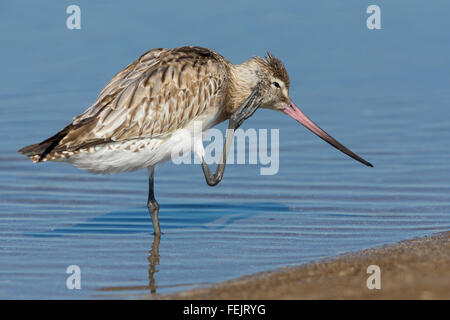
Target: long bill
293,111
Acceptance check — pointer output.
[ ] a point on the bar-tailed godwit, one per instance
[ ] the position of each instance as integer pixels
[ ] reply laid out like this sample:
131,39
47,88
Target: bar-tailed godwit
149,108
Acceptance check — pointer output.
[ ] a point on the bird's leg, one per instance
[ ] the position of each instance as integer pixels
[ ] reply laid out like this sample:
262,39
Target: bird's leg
214,179
245,111
152,204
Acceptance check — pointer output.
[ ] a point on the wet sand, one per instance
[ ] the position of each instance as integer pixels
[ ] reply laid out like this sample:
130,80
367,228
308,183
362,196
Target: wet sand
412,269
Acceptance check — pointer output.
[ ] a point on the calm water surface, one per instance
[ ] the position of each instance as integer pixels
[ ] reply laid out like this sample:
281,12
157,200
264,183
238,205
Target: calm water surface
383,93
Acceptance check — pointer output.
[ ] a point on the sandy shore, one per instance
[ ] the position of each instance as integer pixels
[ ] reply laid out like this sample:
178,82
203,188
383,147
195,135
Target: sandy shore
413,269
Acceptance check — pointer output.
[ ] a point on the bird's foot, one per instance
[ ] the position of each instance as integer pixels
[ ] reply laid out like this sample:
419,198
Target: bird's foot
246,110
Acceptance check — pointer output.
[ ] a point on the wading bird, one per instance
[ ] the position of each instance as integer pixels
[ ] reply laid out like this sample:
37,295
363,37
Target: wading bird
148,109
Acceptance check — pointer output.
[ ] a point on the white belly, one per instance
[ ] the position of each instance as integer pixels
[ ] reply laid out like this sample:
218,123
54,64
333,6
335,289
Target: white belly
141,153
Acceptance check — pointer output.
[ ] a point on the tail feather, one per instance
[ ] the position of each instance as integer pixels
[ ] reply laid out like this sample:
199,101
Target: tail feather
43,148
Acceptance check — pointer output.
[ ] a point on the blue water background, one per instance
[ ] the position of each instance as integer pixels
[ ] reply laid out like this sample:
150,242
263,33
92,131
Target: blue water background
383,93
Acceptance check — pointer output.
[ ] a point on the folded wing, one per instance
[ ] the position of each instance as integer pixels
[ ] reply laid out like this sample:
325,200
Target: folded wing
159,93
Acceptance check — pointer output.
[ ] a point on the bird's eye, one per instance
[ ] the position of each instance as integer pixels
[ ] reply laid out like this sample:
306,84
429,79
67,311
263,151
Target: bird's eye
276,84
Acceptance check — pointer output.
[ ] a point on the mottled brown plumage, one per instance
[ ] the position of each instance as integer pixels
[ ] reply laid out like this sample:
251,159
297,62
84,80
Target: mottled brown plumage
159,93
276,68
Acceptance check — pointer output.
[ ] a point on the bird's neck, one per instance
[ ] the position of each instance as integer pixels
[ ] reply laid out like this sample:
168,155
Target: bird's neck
244,78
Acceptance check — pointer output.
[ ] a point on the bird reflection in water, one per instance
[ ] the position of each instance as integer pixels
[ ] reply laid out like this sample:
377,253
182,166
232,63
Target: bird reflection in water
153,259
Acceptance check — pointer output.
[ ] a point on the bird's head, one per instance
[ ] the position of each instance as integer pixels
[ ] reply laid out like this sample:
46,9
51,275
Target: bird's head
273,81
270,75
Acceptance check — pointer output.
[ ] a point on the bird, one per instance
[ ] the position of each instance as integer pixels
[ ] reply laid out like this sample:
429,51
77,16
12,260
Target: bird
149,108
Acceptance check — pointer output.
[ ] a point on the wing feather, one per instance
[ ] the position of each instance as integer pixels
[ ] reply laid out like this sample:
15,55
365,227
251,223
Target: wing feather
157,94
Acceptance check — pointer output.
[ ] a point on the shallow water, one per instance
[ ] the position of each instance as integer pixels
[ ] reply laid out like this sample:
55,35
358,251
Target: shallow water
382,93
